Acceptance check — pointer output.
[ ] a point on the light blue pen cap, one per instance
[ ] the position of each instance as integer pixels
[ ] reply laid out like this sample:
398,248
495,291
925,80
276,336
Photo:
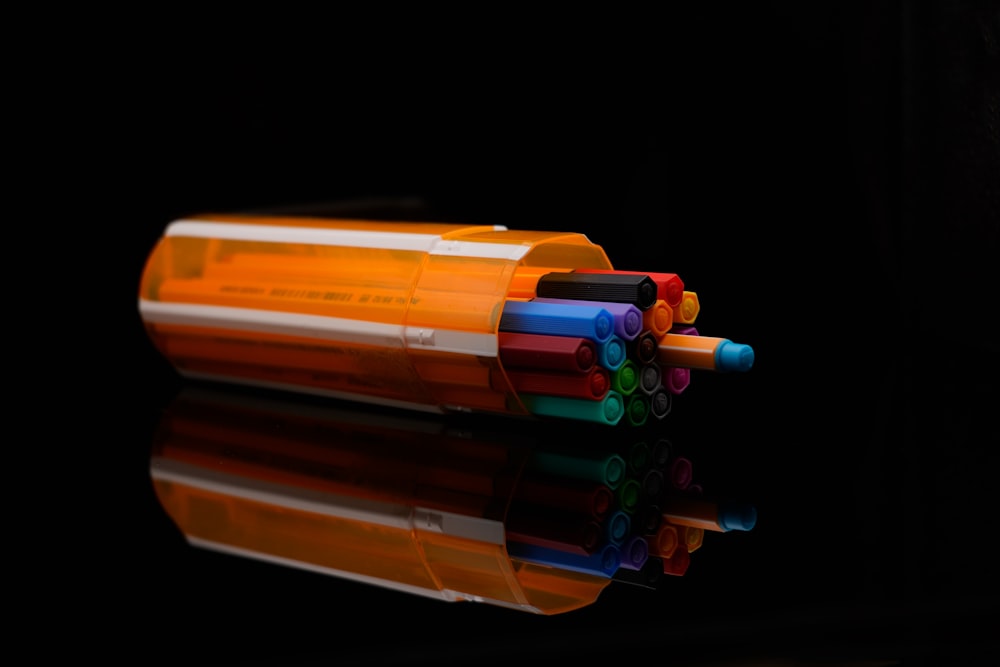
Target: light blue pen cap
733,357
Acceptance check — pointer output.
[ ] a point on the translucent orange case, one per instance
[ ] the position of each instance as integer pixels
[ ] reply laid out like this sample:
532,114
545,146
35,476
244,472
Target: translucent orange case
395,313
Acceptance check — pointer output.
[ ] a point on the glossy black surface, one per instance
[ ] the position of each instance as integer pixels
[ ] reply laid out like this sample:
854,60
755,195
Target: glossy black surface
826,177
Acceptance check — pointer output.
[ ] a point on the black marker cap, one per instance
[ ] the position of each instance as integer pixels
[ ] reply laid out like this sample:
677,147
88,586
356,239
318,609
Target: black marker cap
637,289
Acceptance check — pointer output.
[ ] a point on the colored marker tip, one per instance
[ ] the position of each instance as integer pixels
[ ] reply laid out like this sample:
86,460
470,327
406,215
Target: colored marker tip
734,357
737,517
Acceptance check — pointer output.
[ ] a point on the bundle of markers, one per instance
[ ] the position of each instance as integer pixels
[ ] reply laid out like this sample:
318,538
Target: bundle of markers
632,515
605,346
425,316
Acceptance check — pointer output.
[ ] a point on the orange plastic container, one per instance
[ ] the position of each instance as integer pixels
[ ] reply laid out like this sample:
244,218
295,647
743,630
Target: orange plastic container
396,313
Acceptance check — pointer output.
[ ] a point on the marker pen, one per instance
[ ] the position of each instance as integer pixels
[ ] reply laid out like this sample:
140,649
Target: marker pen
650,378
625,379
608,410
676,378
628,319
658,318
704,352
558,319
545,352
660,403
648,576
612,353
592,385
408,315
634,288
687,311
669,286
643,348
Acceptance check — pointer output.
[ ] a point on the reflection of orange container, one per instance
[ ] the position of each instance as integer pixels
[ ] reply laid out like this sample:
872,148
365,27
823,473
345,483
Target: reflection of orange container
395,313
398,503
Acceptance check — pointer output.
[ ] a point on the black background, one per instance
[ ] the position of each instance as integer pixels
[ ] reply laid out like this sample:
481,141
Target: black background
825,177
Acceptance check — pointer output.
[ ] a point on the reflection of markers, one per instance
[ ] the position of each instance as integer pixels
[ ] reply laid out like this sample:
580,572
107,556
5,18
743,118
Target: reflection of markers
557,319
665,542
693,538
609,470
625,379
561,492
637,289
680,473
643,348
648,519
540,351
662,449
637,458
678,563
612,353
628,318
608,410
603,563
562,531
704,352
660,403
592,385
652,484
637,409
617,527
648,576
687,311
669,286
634,552
628,495
717,517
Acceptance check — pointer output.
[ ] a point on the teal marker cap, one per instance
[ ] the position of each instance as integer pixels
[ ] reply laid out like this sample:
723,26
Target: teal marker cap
733,357
612,353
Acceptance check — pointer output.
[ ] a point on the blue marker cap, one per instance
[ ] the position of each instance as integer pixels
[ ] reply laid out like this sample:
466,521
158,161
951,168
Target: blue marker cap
737,517
628,318
557,319
730,356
